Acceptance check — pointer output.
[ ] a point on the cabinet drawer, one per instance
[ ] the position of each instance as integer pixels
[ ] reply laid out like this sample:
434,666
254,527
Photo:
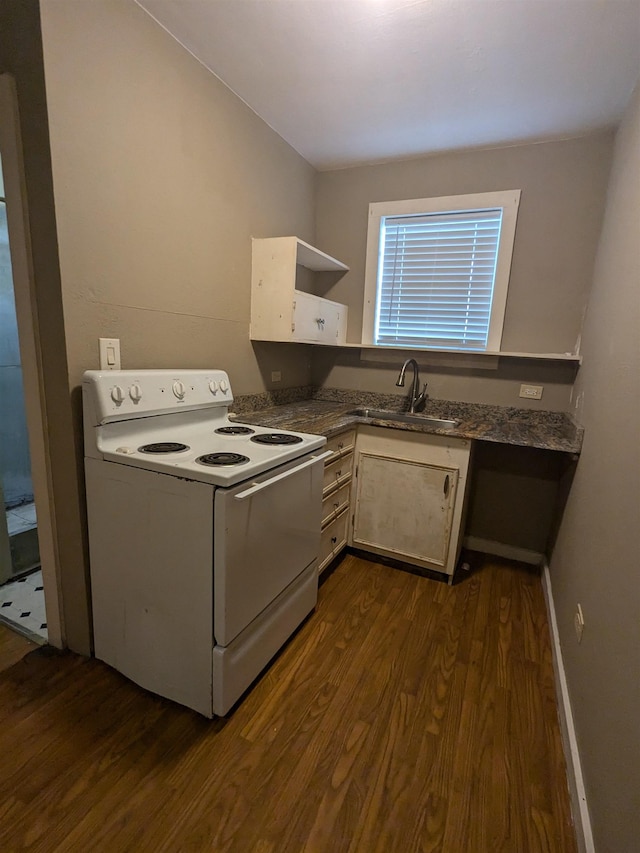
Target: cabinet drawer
337,473
335,503
340,445
333,539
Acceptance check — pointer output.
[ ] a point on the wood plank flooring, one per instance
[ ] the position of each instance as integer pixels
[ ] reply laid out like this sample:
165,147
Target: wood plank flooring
405,715
13,647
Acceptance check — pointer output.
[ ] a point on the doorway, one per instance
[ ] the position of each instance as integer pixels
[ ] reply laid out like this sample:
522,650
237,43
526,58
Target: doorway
21,587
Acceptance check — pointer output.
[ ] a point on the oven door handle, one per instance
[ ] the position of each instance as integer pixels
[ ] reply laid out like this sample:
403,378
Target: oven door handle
258,487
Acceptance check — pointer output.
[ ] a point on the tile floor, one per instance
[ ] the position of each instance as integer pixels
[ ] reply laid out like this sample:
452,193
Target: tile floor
22,599
21,518
22,605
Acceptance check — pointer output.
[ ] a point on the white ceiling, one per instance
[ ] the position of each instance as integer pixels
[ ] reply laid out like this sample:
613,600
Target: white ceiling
355,81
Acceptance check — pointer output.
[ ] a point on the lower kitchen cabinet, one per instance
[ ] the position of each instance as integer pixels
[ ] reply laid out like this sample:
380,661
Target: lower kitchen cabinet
409,495
338,472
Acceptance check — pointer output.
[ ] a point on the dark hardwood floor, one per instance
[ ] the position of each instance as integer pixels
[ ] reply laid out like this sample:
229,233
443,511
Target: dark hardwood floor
405,715
13,647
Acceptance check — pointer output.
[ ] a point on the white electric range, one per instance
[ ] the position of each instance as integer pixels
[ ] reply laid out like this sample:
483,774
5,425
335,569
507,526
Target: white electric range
203,533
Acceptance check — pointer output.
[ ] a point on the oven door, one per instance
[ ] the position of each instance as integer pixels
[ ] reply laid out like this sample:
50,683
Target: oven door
266,532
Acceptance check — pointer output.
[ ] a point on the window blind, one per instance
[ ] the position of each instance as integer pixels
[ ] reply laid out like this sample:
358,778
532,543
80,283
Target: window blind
436,276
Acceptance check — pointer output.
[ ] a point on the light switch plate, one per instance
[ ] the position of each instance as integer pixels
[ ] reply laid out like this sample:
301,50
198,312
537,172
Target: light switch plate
109,353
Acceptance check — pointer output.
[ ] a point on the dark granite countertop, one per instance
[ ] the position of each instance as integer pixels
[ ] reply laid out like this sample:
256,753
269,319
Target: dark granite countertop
331,412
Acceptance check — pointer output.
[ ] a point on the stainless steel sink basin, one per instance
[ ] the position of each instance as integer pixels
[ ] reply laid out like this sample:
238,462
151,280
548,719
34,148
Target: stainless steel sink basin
406,417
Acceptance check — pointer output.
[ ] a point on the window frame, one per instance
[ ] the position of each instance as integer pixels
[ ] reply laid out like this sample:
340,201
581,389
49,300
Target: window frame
508,200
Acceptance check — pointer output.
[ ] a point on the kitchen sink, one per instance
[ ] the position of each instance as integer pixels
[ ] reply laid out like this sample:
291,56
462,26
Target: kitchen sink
405,417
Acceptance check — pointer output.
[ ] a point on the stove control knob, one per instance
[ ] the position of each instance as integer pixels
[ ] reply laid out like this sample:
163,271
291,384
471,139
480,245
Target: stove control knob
179,389
224,386
213,386
117,394
135,392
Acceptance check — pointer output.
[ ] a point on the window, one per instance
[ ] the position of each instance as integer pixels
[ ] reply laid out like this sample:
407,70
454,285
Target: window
438,271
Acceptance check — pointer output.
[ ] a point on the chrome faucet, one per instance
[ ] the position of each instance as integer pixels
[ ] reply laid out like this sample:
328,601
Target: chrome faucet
416,398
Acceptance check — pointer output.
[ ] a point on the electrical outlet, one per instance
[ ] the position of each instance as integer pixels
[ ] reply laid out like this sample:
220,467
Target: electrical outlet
578,622
109,353
532,392
276,376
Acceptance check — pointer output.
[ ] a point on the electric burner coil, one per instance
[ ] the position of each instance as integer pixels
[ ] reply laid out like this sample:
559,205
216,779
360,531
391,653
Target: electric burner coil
222,459
235,430
275,438
163,447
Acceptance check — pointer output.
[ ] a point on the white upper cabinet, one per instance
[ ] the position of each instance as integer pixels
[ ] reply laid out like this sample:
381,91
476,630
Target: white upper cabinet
284,306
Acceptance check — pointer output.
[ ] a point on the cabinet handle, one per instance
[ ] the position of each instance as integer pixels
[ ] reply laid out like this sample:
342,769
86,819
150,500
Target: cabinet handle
334,539
320,322
446,486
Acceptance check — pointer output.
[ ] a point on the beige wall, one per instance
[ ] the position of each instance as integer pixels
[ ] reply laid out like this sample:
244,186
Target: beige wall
161,177
563,190
496,384
596,557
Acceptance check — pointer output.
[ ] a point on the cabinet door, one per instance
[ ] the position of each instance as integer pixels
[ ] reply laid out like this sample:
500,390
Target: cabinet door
318,320
306,317
332,328
404,509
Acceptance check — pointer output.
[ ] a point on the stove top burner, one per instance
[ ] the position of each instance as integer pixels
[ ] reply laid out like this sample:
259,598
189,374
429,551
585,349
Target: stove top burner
163,447
222,459
235,430
276,438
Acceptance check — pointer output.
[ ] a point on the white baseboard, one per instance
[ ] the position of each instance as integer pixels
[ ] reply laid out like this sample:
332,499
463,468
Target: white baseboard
510,552
577,793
